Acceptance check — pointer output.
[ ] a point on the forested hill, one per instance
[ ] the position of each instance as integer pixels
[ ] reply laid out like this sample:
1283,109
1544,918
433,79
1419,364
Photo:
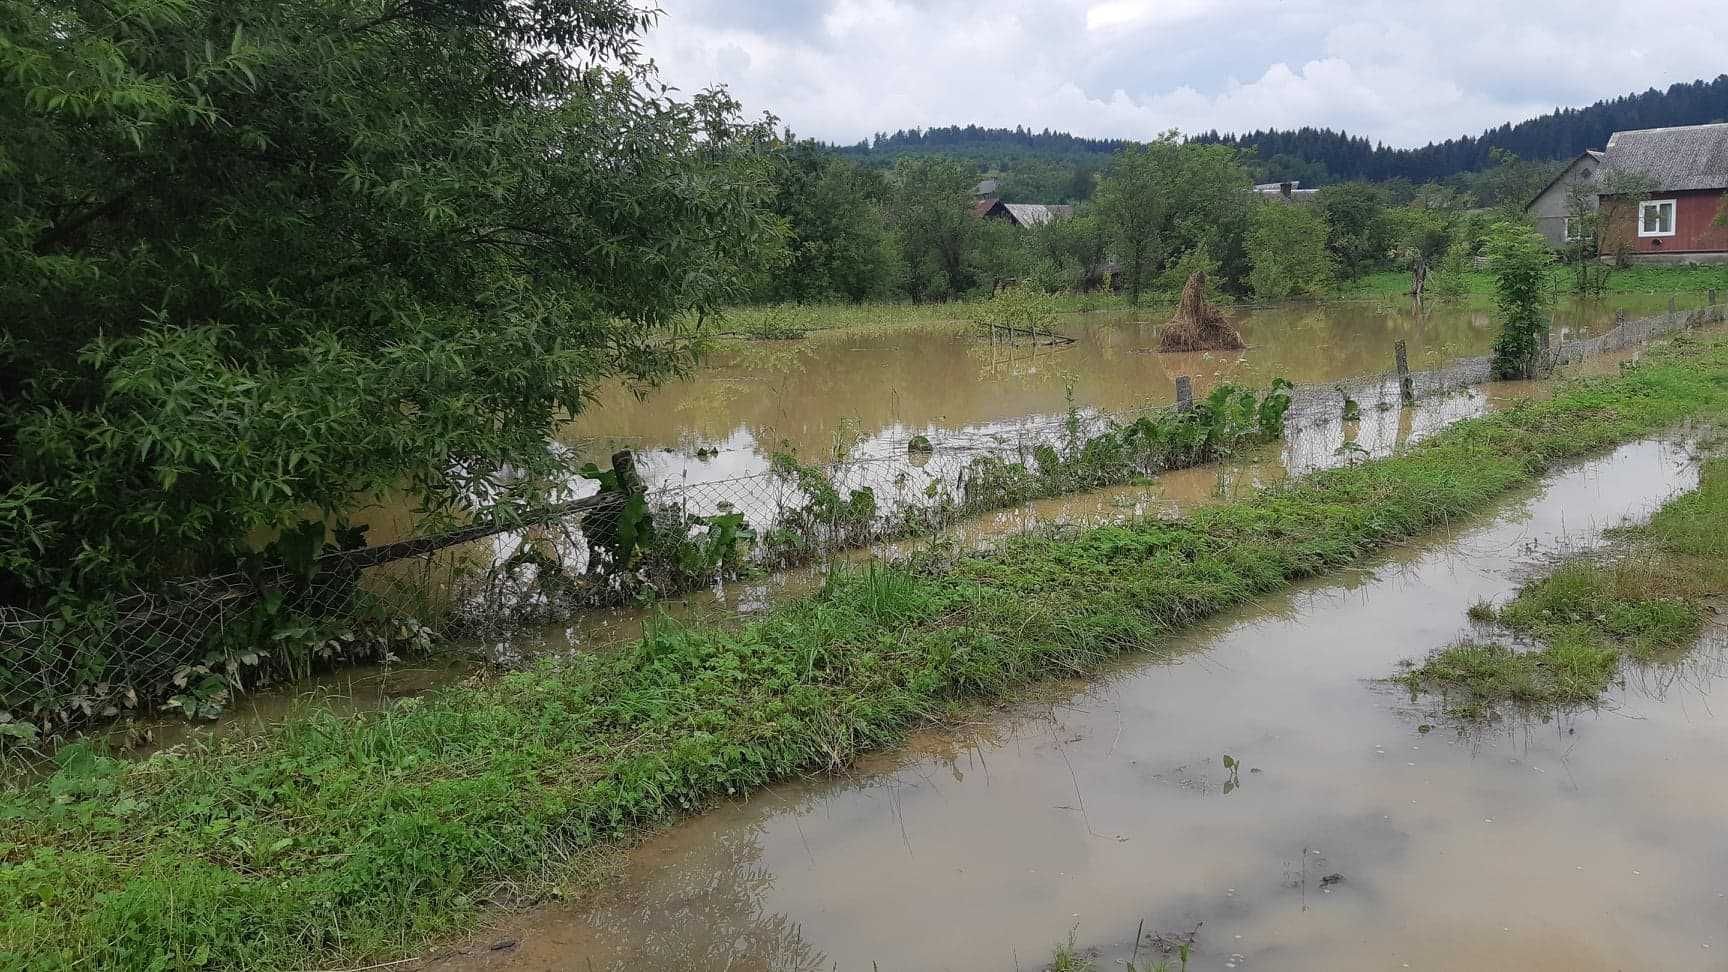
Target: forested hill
1561,134
990,147
1318,155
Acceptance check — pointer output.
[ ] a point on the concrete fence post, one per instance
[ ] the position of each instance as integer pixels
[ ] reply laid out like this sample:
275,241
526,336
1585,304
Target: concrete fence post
1406,384
1673,305
1711,297
1184,394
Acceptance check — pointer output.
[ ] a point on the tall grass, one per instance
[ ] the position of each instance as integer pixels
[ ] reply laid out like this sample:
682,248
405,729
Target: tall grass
328,839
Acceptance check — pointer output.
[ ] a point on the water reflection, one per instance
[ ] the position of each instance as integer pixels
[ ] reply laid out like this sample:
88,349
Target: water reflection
870,391
1106,807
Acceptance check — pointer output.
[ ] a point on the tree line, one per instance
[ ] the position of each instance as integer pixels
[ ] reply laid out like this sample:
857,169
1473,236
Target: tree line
1153,214
1314,156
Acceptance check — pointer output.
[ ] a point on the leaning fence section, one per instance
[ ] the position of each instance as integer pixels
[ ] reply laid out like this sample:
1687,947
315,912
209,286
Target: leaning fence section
192,646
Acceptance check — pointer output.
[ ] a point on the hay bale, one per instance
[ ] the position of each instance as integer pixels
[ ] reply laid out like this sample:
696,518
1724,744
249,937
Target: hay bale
1198,326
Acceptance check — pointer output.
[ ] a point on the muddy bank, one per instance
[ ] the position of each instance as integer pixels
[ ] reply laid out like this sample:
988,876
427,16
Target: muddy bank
1588,842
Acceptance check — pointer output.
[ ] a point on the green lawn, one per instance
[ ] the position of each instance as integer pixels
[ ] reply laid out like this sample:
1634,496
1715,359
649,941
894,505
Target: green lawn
1630,280
329,840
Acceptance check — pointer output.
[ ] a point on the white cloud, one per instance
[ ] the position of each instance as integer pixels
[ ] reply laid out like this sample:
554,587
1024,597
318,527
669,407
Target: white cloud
1120,13
1394,71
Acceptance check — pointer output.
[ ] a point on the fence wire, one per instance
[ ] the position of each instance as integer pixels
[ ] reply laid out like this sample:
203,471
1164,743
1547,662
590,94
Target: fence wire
192,645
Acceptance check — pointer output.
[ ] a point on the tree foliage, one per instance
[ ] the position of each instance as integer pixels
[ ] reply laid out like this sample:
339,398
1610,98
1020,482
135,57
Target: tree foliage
1358,233
838,242
1288,254
263,258
930,205
1165,198
1519,259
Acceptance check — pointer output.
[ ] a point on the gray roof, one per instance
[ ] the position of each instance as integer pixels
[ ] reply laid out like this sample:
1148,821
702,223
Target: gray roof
1676,159
986,187
1037,214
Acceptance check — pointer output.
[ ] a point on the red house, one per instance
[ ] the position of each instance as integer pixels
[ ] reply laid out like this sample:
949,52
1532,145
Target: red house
1685,173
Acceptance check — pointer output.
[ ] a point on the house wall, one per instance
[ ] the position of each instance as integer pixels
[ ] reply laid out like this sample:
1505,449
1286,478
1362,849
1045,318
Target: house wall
1549,209
1695,229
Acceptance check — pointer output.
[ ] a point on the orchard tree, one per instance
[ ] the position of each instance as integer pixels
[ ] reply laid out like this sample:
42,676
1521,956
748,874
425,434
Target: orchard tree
262,259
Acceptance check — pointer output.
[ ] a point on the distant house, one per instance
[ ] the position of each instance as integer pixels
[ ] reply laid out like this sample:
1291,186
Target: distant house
987,187
1020,214
1686,170
1552,209
1285,192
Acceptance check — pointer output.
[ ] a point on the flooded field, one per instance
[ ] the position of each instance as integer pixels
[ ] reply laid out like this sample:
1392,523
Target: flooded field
1359,830
868,391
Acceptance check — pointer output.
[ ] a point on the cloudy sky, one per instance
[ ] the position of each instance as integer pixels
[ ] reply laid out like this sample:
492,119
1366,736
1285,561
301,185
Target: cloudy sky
1401,71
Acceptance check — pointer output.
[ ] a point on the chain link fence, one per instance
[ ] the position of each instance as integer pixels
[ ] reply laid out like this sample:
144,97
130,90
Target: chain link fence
193,645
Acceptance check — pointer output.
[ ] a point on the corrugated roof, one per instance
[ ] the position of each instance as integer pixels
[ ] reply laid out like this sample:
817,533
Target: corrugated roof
1037,214
1677,159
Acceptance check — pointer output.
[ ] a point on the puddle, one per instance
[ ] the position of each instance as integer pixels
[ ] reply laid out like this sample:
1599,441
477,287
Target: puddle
1591,841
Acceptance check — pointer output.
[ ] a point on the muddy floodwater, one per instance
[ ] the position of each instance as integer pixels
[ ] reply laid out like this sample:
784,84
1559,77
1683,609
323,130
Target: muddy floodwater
1360,830
867,391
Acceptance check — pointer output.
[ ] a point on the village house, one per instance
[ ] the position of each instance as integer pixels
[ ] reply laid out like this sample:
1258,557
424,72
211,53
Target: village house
1685,176
1021,214
1552,209
1285,192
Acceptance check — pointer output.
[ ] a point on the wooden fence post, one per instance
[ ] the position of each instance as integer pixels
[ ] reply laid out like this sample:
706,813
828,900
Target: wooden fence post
1184,394
1406,384
629,481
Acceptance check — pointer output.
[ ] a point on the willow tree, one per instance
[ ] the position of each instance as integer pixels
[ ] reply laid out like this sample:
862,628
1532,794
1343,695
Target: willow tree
263,258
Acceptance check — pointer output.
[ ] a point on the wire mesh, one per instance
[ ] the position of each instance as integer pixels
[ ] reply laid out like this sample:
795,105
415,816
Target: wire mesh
193,644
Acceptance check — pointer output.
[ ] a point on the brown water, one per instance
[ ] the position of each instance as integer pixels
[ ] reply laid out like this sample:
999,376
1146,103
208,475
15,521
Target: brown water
868,391
1592,841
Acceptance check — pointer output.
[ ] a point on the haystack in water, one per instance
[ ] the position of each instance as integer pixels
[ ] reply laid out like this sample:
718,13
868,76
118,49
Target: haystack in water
1198,326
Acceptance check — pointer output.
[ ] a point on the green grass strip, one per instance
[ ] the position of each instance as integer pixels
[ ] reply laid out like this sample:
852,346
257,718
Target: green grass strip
1647,601
345,839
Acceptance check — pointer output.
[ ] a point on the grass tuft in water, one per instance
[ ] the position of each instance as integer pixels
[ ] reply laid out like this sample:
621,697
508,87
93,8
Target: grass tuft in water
1647,600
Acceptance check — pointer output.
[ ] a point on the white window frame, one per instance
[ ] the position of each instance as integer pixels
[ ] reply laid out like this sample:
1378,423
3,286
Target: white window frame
1573,232
1673,220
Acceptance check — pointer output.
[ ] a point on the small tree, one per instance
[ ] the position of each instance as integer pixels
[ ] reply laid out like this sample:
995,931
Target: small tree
1518,259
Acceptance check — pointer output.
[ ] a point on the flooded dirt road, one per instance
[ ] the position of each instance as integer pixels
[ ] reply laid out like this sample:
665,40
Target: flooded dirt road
1359,830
